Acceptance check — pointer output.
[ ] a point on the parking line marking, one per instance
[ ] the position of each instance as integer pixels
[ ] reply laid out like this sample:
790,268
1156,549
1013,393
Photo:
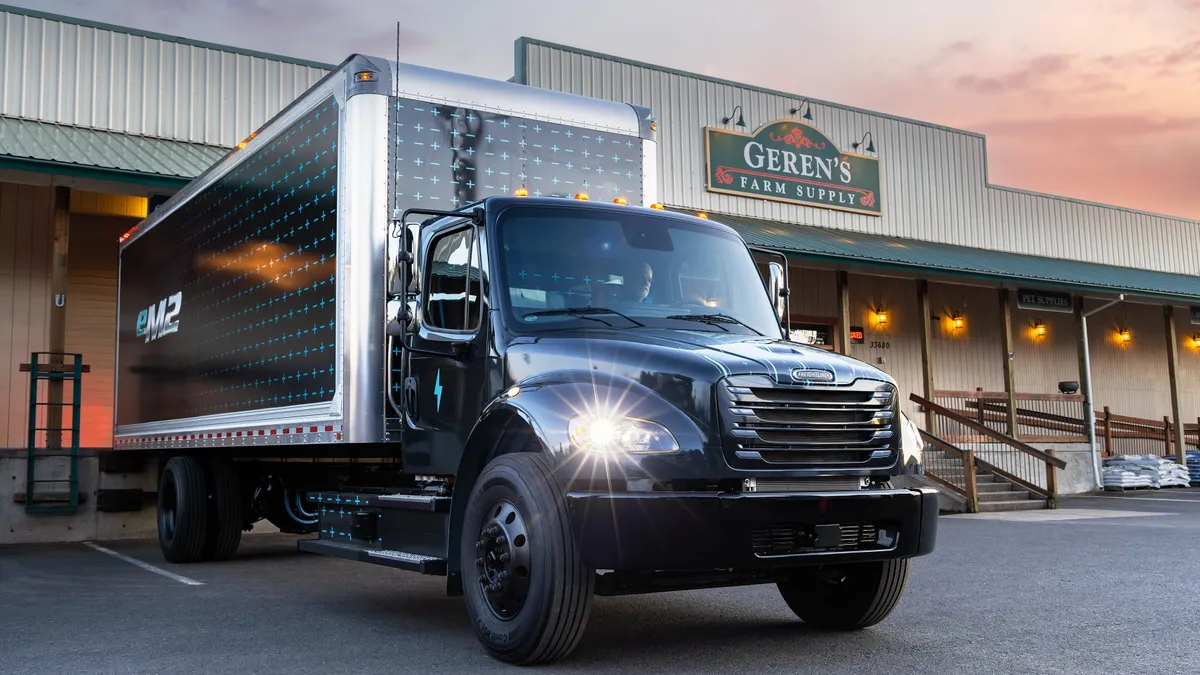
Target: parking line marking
144,565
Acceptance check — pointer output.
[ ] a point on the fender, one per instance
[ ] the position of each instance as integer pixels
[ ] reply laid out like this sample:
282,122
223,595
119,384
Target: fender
544,405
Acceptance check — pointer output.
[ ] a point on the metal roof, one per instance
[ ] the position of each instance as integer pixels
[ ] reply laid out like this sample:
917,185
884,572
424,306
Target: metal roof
59,145
808,241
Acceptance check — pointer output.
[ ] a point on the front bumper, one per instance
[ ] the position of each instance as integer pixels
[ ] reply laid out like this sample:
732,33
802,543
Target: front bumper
708,530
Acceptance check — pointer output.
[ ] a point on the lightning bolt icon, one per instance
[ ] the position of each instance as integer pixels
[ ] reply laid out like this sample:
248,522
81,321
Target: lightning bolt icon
437,389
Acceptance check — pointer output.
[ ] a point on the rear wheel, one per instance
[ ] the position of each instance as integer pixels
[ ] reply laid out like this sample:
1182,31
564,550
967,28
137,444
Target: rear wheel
527,593
846,597
182,510
225,512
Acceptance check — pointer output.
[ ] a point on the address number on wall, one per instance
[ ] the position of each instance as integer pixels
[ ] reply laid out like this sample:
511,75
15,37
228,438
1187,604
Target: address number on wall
876,344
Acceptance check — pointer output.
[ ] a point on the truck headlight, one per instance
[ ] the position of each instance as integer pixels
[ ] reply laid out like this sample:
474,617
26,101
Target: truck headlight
606,435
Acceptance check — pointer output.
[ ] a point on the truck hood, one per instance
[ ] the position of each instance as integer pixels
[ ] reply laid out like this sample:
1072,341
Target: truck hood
679,365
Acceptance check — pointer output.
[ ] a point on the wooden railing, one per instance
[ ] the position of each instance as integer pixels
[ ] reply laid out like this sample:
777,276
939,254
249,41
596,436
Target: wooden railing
955,471
1124,435
1035,418
992,451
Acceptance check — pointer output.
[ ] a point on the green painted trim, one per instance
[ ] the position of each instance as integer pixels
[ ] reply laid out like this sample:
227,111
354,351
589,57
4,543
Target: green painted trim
38,14
96,173
949,271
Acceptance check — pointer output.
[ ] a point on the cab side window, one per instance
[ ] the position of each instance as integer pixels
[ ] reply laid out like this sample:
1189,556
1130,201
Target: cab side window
453,259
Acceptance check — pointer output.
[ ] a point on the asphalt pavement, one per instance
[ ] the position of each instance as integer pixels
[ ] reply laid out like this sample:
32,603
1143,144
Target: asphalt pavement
1104,584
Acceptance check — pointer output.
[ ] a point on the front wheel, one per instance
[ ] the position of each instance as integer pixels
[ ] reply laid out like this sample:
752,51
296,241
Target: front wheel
846,597
527,593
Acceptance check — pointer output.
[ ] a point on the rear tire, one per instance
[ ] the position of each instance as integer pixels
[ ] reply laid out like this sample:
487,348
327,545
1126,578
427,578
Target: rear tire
182,510
848,597
527,593
225,512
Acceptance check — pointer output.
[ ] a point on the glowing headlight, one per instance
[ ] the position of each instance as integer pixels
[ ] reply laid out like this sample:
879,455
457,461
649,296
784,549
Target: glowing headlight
610,435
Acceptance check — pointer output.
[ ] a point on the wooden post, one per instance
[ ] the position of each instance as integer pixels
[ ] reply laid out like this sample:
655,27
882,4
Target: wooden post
58,311
924,316
843,294
1051,481
1010,380
1108,435
969,481
1173,366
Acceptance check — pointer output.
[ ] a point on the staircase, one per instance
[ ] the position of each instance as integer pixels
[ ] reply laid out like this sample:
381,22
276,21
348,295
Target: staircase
993,493
991,471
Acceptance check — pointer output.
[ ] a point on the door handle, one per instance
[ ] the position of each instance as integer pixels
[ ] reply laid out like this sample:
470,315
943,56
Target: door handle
410,398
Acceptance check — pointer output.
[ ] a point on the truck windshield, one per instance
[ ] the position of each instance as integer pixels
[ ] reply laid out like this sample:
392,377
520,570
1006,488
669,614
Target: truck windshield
573,268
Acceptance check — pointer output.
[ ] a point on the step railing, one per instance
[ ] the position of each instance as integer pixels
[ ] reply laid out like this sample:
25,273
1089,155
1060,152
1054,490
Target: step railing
1125,435
1038,418
995,452
955,470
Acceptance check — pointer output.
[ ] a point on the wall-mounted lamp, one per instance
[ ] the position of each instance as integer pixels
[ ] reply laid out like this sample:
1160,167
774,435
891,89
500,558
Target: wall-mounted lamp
1196,341
881,316
957,322
1124,336
870,144
1039,329
805,105
740,121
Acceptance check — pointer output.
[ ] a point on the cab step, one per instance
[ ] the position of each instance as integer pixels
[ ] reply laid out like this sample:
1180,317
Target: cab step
402,501
412,562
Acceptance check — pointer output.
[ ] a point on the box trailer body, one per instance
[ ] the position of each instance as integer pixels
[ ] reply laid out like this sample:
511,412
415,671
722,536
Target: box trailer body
441,323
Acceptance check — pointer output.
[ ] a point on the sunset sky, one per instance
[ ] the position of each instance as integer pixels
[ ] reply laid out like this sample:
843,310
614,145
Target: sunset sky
1095,99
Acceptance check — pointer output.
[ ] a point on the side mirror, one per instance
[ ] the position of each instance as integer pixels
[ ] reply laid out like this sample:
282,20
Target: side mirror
776,285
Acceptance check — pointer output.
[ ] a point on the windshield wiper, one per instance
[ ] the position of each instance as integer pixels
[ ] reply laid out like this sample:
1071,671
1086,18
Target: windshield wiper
582,313
714,320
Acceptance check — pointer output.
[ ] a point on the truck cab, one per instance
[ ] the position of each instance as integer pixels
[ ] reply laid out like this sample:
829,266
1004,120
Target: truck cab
606,395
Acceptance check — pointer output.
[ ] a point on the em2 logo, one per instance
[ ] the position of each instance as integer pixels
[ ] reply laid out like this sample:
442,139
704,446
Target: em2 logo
155,322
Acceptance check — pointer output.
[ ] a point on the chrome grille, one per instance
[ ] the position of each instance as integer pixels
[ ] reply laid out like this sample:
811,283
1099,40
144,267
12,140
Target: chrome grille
817,426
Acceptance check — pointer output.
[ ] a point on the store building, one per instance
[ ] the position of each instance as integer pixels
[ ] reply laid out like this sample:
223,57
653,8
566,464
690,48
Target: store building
902,254
899,251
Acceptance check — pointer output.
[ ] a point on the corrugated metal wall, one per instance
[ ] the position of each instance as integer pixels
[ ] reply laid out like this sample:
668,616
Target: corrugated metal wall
933,178
26,234
67,73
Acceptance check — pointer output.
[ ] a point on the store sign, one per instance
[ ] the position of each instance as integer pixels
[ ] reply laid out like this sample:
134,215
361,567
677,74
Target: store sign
789,161
1045,301
1195,312
856,335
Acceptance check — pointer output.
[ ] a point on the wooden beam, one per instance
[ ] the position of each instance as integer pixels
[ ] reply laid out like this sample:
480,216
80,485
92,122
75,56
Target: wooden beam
924,317
843,294
1010,379
1173,366
58,311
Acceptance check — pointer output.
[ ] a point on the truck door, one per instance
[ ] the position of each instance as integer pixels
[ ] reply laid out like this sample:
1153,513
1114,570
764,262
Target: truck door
443,391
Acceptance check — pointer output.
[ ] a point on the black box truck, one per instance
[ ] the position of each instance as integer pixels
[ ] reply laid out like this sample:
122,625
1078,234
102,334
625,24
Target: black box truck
438,323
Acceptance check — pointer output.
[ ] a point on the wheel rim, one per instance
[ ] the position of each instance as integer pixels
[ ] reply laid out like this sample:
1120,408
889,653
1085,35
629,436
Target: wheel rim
166,511
502,560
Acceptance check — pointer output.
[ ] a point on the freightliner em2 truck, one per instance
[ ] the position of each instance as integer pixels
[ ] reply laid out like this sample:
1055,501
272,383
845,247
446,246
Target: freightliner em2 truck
438,323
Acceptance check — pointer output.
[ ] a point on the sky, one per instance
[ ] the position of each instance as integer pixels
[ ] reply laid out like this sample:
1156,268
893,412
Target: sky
1091,99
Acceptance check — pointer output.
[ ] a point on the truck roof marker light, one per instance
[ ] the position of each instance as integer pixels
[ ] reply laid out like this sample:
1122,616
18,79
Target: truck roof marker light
365,76
128,234
621,200
246,142
512,392
657,206
581,196
520,192
702,215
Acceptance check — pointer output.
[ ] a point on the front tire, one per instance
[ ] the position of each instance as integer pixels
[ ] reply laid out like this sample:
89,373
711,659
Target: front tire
182,510
527,593
847,597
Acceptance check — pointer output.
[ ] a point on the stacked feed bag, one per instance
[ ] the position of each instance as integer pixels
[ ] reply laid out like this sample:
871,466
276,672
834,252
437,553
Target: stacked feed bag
1144,471
1193,463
